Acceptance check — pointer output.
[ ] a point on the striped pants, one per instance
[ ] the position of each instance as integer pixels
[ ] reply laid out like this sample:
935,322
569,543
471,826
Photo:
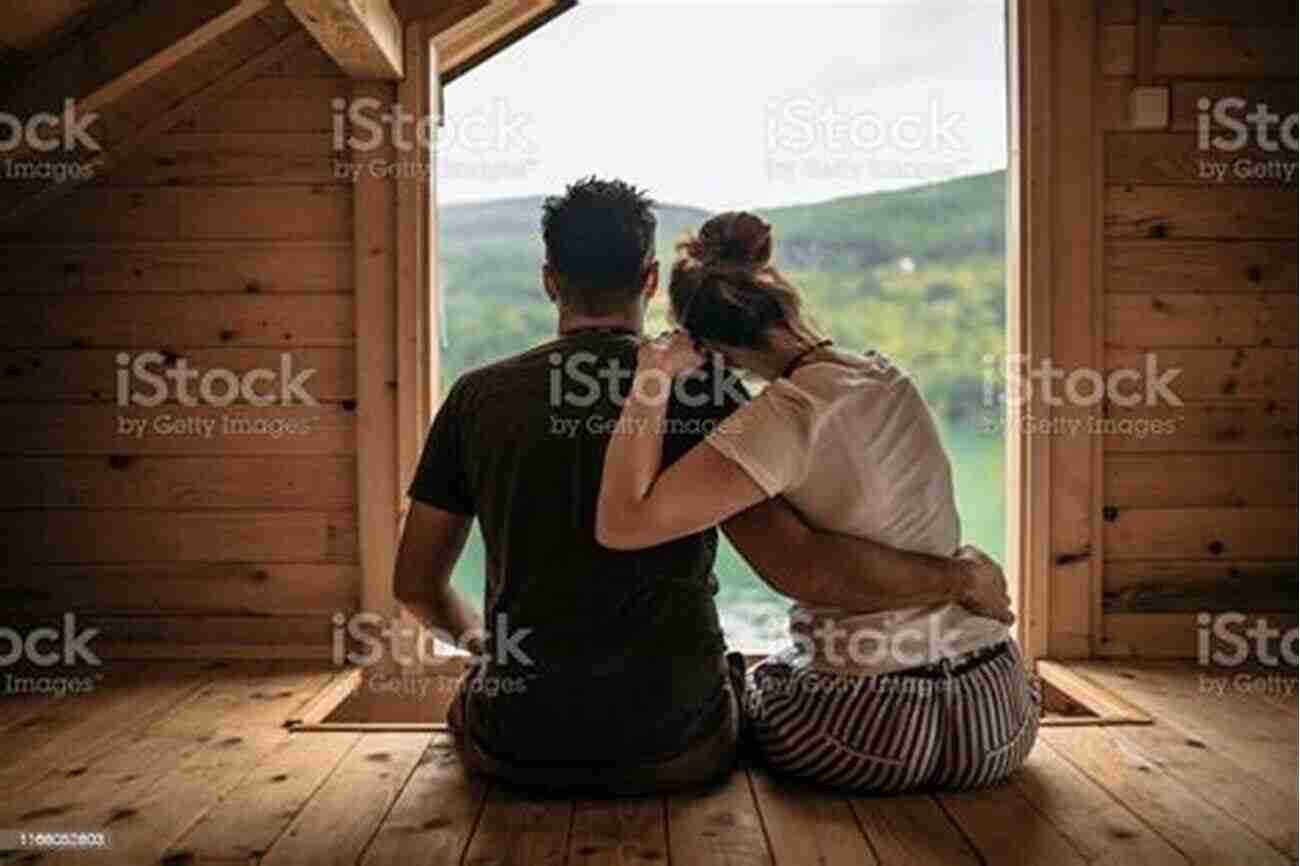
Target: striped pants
961,723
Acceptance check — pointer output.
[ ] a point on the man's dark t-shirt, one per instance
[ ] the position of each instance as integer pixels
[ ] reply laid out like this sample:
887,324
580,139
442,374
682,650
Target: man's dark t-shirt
623,649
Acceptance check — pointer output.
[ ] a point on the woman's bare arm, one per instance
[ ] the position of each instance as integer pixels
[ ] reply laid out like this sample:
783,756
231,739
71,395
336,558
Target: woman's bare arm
638,507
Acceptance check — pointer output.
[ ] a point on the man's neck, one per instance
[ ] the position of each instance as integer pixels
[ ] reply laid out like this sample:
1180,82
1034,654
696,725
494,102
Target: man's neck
626,321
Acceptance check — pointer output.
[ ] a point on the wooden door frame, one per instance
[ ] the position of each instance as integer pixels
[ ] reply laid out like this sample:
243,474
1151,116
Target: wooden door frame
395,242
1053,482
1054,313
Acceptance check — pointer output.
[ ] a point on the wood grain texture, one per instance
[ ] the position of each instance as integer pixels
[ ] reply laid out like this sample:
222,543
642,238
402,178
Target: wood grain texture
43,430
91,375
805,825
1098,826
223,587
342,816
717,825
1005,827
1159,158
185,536
619,833
320,212
1192,533
1190,50
150,322
432,821
1179,212
516,829
1146,321
250,267
1166,267
1202,427
1202,830
1214,480
1210,375
911,830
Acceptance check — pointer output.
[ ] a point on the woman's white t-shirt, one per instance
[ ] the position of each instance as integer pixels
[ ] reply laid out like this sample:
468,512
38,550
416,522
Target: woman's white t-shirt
854,448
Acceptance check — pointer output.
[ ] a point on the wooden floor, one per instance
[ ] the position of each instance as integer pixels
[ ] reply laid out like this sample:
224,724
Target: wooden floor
187,763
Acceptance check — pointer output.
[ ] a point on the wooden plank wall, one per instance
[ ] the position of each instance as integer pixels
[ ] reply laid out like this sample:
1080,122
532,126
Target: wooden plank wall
229,244
1200,513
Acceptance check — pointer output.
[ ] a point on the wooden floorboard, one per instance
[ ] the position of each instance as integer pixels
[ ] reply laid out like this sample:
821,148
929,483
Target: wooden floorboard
720,825
74,729
805,825
339,822
187,764
436,815
619,832
1005,828
912,830
1097,824
515,830
250,817
152,784
1234,722
1186,818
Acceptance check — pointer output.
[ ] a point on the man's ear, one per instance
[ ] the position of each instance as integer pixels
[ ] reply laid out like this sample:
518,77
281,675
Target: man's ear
650,280
550,282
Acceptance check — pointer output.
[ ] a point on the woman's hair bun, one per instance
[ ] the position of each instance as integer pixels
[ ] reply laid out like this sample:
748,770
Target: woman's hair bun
736,238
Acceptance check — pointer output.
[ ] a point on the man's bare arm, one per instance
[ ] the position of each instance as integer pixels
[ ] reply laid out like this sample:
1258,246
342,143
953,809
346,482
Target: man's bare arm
432,541
827,568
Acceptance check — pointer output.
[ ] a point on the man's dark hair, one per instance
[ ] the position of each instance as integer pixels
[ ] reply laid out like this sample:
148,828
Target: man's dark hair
599,237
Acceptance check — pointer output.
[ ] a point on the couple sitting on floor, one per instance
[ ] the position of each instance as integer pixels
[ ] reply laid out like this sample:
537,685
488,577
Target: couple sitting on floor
600,465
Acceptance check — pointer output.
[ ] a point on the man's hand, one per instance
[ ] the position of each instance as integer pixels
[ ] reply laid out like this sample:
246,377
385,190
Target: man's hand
986,592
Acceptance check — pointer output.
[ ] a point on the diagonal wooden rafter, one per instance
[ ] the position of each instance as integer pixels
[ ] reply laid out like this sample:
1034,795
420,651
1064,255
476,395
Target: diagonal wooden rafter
140,137
490,29
125,56
363,36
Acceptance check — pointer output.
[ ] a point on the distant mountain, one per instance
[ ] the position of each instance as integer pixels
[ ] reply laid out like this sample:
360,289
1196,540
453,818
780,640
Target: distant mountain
516,223
941,221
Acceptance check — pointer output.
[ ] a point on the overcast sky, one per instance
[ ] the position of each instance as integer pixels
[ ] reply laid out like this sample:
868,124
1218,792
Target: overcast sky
731,104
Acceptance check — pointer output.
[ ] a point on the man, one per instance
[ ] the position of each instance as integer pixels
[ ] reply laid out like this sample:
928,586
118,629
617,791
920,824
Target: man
600,671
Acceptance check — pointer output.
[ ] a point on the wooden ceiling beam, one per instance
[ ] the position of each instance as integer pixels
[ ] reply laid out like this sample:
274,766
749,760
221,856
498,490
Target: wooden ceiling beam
125,56
490,30
363,36
31,200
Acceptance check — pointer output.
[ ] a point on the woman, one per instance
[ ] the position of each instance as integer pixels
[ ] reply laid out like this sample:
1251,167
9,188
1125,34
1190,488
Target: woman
870,701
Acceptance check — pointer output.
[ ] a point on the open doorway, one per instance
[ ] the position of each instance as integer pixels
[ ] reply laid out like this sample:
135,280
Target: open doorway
882,172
